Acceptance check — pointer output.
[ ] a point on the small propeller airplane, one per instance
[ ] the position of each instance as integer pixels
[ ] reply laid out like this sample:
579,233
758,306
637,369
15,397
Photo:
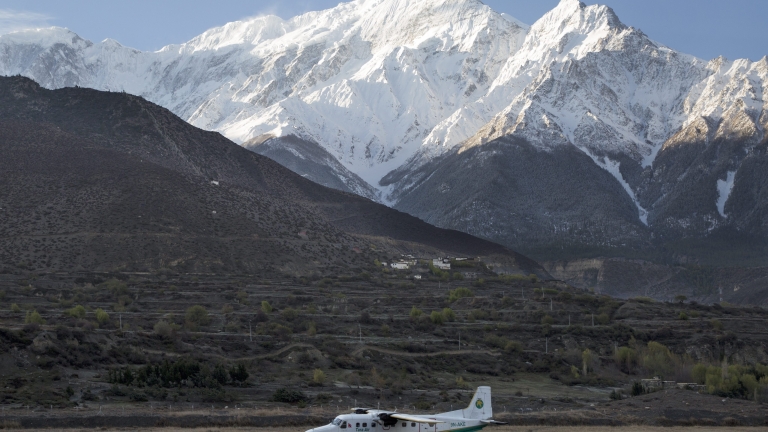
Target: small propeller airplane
473,418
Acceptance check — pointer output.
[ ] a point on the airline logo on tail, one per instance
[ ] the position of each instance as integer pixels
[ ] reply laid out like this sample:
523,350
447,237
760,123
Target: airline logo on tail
479,404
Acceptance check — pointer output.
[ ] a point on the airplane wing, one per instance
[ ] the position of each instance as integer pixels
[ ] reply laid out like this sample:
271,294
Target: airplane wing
411,418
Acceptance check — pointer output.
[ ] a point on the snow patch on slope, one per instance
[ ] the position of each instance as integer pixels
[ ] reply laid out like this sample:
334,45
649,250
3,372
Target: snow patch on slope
613,167
724,189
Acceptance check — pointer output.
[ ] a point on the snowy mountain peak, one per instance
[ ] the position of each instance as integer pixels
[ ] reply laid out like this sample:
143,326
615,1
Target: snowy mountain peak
383,85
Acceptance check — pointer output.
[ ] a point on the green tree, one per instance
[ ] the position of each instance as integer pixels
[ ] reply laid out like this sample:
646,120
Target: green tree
699,373
101,316
76,312
266,307
196,317
318,377
626,358
658,359
586,361
238,373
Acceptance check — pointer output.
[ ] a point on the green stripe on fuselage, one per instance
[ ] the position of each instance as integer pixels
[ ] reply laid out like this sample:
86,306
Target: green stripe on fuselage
467,429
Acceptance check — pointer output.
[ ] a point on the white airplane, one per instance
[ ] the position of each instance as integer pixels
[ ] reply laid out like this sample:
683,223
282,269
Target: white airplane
473,418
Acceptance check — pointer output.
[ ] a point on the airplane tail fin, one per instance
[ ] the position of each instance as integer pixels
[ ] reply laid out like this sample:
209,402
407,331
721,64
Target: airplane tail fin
480,407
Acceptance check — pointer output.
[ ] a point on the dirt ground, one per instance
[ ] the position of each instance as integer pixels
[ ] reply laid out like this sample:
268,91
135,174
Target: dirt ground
492,429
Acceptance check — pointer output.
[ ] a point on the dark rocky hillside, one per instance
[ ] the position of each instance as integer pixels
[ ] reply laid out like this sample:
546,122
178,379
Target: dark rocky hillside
524,197
94,180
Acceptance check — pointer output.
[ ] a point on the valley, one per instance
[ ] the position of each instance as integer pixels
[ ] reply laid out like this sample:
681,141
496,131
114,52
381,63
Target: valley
312,347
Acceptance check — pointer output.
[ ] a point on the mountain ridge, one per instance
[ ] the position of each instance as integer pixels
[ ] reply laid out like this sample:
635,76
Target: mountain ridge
99,181
393,88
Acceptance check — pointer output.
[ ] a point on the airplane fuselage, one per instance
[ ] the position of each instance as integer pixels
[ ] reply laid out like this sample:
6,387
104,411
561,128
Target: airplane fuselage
371,423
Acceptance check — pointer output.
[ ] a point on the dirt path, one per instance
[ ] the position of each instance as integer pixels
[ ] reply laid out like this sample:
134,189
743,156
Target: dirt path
359,351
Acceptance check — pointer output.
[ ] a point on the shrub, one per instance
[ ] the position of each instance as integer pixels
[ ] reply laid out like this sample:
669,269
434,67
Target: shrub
415,312
436,318
289,314
716,324
318,376
163,329
311,328
242,297
683,316
603,319
287,395
384,331
458,293
547,320
33,317
637,388
266,307
197,316
76,312
101,316
220,374
478,314
15,308
460,383
449,315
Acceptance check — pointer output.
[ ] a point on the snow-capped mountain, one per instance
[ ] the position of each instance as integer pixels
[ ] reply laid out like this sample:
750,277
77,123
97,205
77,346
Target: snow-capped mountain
397,91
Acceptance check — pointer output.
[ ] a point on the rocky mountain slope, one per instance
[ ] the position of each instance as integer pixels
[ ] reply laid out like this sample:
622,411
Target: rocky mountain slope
577,133
100,181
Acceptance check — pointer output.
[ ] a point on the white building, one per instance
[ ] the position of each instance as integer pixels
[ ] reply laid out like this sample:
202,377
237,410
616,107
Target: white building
441,263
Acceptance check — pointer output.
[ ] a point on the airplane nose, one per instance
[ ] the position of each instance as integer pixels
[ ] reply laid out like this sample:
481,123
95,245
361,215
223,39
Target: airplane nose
326,428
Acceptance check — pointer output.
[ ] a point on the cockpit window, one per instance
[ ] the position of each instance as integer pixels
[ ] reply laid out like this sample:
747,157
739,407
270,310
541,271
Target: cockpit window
336,421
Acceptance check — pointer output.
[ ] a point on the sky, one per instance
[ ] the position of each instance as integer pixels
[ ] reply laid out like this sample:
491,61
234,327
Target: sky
704,28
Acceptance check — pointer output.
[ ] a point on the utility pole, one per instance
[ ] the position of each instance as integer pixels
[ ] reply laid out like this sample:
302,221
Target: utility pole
459,340
569,320
121,322
593,319
546,345
250,334
550,304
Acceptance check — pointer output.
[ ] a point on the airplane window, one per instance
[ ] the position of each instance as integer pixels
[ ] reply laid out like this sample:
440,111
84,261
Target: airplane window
336,421
344,425
365,424
373,424
357,424
405,424
413,424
